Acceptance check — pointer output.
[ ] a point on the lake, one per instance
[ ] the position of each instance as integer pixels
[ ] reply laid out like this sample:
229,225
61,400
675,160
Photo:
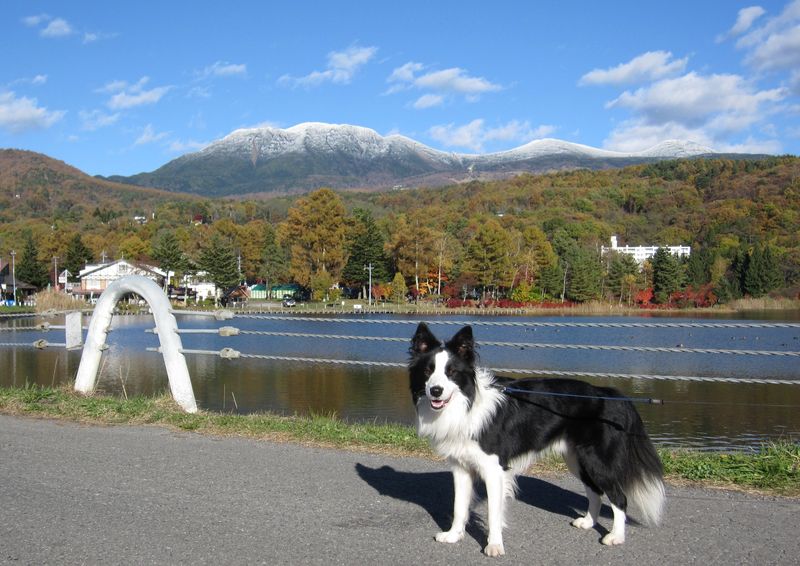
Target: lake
695,414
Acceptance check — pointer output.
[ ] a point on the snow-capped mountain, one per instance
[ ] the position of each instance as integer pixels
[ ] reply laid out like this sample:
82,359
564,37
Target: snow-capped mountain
312,154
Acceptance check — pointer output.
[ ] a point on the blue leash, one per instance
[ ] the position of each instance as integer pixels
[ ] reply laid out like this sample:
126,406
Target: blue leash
648,400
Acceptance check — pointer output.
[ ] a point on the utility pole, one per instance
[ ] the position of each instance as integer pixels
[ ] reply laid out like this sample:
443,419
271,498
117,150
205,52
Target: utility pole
55,272
14,275
369,268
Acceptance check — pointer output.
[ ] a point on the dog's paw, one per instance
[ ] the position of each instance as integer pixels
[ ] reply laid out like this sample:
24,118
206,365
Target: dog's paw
494,550
449,536
583,523
612,539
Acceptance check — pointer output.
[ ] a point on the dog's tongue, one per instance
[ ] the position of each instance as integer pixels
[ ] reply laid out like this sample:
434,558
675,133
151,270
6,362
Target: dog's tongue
437,403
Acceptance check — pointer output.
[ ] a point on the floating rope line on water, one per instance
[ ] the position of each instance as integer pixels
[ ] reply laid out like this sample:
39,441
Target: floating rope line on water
230,353
38,344
541,324
232,331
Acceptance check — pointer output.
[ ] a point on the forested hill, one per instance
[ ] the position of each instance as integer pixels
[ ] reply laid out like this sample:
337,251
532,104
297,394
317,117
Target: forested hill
33,185
695,201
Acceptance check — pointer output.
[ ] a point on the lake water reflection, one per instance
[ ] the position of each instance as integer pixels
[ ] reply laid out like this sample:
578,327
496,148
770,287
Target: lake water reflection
695,414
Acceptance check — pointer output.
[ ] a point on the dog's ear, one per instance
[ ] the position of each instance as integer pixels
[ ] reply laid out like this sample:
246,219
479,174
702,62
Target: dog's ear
463,344
423,340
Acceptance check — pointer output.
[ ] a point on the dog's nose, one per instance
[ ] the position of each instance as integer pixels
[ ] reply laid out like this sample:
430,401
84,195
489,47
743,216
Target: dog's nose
437,390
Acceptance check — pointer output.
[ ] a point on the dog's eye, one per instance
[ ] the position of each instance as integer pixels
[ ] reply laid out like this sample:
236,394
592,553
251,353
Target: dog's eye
428,371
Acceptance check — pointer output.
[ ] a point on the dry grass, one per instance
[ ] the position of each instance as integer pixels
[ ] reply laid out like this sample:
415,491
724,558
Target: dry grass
50,300
764,304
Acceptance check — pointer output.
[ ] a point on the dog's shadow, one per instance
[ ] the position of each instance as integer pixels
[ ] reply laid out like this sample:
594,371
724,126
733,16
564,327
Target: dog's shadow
434,493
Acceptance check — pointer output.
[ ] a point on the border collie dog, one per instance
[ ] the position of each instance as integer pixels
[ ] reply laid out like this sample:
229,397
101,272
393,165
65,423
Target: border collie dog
490,433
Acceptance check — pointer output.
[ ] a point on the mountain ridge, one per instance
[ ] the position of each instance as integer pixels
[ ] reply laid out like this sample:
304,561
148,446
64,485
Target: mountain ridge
265,161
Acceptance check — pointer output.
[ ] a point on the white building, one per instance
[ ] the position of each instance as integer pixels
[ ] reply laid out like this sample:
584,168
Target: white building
95,278
642,253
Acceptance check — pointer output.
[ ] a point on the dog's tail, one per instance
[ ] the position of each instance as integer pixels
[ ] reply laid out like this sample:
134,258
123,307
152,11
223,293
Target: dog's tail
645,489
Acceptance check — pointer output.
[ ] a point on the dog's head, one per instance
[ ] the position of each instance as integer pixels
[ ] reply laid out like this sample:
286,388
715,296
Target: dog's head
440,372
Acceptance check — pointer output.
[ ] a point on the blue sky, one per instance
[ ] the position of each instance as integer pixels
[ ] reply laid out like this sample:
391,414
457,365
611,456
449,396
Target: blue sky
120,88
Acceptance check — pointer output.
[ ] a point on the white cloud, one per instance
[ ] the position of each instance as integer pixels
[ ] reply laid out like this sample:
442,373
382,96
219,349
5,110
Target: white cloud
37,80
405,73
429,101
128,96
635,135
223,69
744,22
710,110
22,114
646,67
474,135
58,27
439,84
178,146
774,45
695,99
341,68
780,50
149,135
33,21
454,80
96,119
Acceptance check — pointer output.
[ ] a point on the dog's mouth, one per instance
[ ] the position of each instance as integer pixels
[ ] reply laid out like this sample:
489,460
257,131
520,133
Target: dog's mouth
439,404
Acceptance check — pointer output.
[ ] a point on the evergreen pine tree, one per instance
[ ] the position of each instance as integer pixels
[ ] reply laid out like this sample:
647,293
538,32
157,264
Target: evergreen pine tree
366,247
220,263
583,278
76,256
167,251
274,263
29,269
667,277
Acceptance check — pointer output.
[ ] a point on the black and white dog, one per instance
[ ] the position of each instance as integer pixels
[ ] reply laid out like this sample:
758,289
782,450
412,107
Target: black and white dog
489,433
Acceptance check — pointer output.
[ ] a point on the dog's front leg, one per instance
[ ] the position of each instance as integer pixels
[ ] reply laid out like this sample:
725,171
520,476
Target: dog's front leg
494,477
462,482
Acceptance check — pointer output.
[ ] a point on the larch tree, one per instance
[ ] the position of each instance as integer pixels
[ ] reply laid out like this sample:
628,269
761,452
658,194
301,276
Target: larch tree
314,231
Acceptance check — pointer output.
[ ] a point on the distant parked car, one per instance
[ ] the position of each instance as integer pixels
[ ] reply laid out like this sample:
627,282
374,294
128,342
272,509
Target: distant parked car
289,302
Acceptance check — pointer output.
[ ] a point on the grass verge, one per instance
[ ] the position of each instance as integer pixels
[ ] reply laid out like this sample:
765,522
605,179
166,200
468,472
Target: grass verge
774,469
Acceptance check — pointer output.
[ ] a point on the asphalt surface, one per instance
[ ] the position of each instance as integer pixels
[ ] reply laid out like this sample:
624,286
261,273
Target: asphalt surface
73,494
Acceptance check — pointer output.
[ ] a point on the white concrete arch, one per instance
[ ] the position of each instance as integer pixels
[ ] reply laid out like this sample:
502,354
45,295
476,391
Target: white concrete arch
166,326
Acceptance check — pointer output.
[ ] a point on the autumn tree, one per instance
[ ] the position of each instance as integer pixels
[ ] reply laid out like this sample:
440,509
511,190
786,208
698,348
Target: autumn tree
314,230
399,289
411,247
622,272
487,255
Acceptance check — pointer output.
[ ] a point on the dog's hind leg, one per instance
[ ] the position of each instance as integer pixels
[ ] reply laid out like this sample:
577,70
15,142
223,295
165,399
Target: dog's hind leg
462,483
617,534
592,512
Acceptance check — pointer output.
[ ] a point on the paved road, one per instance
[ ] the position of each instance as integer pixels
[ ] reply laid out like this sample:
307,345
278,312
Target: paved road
72,494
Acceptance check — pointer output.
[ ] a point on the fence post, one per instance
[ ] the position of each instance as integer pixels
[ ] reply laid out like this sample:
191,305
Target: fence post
179,382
